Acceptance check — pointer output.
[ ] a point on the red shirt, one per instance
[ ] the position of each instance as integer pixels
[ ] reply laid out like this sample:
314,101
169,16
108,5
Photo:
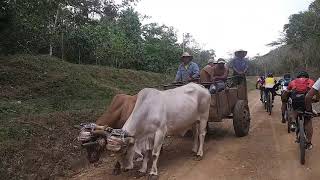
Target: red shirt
301,85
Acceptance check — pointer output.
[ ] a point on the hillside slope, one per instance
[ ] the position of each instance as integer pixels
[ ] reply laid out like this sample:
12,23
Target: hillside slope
42,99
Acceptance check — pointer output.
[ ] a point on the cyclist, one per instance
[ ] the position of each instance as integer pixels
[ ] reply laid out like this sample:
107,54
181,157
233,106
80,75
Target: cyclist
260,86
314,91
269,85
284,82
297,90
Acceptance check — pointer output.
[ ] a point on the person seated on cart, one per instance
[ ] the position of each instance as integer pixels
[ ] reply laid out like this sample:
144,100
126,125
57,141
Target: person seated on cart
207,72
260,85
297,90
220,71
188,70
220,74
217,75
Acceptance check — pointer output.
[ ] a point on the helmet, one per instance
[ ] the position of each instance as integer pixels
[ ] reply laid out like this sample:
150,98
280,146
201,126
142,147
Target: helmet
287,76
302,74
270,74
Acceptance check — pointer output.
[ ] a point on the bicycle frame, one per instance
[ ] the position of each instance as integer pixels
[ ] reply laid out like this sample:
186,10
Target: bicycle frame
264,99
268,101
301,135
300,125
287,113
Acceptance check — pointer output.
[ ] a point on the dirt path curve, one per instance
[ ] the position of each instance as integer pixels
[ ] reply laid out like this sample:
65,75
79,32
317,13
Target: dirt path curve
267,153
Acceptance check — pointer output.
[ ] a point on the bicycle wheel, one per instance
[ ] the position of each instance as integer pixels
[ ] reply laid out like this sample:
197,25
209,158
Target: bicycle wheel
265,102
267,105
264,98
270,103
302,142
286,117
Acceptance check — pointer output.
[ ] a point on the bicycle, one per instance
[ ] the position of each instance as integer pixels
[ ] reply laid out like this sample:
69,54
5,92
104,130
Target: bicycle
300,133
286,114
264,100
268,102
262,95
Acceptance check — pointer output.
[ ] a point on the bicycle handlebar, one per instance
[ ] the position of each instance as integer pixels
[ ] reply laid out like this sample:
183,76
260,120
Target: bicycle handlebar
308,114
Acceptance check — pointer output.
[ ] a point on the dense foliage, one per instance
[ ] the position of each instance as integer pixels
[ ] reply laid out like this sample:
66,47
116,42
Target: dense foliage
91,32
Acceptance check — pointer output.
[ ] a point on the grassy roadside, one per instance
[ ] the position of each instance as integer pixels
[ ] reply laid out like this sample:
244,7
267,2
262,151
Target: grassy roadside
42,99
251,82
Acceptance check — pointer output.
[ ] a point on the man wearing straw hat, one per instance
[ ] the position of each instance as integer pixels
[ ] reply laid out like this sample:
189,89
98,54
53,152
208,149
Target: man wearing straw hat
239,64
219,76
221,71
188,70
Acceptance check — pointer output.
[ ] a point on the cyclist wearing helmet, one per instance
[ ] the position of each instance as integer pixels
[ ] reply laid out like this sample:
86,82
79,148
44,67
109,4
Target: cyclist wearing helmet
297,90
284,82
269,85
260,85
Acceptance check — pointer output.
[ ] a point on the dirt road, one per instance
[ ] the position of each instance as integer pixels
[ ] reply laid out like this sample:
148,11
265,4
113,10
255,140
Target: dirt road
267,153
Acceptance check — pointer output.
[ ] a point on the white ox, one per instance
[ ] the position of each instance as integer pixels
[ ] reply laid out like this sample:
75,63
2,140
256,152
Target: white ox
158,113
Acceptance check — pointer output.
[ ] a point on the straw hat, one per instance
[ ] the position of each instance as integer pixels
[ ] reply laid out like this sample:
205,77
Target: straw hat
221,61
241,51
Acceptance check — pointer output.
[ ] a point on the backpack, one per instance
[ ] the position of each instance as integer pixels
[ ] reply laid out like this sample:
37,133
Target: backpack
298,101
301,85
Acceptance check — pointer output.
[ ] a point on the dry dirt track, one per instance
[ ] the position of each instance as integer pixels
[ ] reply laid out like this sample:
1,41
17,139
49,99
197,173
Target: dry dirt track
267,153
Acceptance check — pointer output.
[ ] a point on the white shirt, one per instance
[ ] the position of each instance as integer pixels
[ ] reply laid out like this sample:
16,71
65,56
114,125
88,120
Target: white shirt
316,85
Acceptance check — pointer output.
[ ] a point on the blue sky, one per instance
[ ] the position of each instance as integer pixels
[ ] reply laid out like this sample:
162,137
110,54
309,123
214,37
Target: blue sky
225,25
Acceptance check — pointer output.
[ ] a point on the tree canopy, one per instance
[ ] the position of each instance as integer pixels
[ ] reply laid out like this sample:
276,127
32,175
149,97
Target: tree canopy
299,48
98,32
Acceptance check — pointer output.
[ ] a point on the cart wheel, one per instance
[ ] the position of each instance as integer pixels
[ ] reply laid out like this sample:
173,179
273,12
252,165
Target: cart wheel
241,118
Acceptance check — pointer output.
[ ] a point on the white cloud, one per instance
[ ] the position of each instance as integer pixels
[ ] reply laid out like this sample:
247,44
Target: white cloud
225,25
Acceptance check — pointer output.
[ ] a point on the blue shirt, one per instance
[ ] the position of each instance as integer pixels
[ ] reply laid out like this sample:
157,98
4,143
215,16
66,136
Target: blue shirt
184,72
239,65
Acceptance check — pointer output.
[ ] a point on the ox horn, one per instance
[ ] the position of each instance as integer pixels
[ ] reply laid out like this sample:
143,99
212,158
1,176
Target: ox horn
105,128
101,127
90,143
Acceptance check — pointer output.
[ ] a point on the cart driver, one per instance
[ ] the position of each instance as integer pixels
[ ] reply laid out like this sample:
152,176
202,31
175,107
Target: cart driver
188,70
240,65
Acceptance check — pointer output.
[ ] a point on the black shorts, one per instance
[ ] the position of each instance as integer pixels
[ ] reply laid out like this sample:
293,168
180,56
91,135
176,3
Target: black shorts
298,101
298,105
